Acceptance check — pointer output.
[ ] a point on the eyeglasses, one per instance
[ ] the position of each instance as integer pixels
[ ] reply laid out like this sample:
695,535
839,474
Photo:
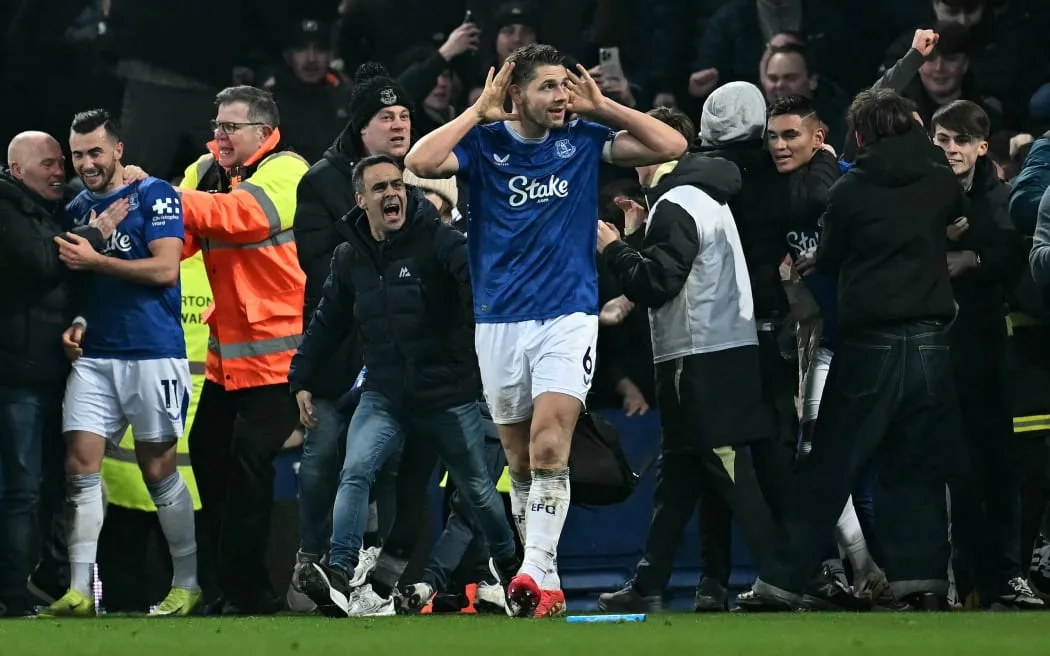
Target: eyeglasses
229,127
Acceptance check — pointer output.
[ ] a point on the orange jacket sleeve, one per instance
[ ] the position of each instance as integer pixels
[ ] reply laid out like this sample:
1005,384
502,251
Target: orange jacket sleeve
190,245
234,217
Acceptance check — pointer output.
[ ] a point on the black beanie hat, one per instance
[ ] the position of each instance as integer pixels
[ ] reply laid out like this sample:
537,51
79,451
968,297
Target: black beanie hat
374,90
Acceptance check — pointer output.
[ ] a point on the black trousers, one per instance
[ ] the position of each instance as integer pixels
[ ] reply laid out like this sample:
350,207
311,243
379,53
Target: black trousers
236,437
684,478
986,498
889,400
774,467
700,406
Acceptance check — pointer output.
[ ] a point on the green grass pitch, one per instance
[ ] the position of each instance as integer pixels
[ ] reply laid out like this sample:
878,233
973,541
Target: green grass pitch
951,634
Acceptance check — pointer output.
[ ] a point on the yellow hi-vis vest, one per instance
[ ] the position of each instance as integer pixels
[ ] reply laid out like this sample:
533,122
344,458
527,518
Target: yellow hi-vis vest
502,486
120,470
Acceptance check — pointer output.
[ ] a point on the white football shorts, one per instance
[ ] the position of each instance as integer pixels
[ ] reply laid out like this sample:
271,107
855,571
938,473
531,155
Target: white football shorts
104,396
521,360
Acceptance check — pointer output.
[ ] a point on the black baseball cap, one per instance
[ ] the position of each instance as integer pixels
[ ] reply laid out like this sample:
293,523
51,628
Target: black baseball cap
309,31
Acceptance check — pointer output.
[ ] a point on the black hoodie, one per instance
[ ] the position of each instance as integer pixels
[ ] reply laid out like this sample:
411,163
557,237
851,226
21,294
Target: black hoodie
658,270
884,234
409,298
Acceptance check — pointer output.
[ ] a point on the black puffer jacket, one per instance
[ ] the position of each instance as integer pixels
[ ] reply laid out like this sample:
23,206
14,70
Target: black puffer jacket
409,298
36,289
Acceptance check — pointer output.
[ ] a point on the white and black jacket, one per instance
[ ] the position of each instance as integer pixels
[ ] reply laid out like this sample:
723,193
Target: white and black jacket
690,270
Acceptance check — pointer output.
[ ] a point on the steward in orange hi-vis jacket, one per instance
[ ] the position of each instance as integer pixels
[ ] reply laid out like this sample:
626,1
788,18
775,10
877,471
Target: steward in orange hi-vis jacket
238,202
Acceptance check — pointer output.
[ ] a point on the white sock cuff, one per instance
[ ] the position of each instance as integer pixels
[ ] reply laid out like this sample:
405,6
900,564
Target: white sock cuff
83,487
168,490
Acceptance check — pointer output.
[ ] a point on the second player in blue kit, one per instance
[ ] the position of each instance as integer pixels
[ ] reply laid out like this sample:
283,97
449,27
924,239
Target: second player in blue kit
533,178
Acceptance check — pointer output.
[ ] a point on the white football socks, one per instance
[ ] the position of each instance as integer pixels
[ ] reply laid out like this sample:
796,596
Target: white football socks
85,503
851,540
175,513
548,506
519,501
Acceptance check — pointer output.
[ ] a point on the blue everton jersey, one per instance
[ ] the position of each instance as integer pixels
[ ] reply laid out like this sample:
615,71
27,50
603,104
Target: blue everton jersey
126,320
532,235
823,288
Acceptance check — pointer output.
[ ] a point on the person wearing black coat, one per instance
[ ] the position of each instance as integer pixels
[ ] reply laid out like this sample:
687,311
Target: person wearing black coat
324,196
38,297
402,282
890,397
986,256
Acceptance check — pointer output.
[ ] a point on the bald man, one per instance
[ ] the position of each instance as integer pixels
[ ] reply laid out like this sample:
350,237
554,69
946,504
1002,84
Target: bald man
36,306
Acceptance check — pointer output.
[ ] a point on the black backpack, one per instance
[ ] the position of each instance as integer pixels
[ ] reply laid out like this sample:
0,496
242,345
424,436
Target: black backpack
599,471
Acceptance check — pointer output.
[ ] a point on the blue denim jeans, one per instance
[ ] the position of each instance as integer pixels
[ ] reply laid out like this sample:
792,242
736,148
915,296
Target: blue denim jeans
319,476
378,429
32,457
889,406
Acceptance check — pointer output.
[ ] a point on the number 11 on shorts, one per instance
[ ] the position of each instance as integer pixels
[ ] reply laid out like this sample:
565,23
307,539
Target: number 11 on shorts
171,391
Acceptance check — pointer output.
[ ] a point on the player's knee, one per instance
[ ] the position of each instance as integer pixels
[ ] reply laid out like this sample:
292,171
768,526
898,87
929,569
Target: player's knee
550,448
84,454
515,441
156,460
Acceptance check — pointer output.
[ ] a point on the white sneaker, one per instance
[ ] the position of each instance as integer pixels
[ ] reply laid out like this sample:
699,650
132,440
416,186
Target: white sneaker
364,602
490,598
366,562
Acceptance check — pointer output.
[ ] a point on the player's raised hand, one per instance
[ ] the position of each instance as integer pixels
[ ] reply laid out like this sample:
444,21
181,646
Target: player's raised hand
489,106
77,252
307,415
585,97
71,340
110,218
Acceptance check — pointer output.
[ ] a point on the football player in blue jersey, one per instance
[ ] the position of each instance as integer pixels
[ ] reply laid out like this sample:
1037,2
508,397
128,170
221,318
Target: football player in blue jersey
130,364
533,178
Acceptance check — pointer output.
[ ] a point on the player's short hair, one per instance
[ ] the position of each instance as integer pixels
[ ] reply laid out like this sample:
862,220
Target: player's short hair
358,176
877,114
93,119
792,49
528,58
793,105
677,119
963,117
261,106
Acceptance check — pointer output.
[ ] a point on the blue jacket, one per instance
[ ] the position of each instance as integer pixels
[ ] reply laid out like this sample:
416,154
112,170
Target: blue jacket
1029,185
